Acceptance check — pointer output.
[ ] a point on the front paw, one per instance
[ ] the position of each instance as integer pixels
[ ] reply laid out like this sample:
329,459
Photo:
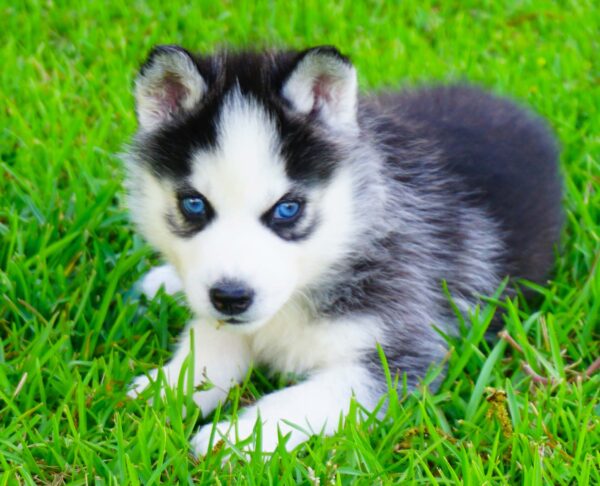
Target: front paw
248,435
224,434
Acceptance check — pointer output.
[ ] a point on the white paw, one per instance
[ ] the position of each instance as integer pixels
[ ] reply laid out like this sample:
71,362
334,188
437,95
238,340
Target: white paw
225,434
231,433
163,276
140,383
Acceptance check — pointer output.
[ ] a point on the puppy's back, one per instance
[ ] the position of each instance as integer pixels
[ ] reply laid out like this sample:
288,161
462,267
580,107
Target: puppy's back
507,158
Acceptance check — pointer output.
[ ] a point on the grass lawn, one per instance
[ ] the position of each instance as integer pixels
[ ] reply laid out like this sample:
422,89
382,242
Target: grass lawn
73,332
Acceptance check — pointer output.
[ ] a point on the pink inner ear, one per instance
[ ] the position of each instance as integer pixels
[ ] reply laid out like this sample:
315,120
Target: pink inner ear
173,93
322,90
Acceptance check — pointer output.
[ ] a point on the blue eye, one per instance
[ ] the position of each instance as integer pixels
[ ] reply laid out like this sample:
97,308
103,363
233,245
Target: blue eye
193,206
286,210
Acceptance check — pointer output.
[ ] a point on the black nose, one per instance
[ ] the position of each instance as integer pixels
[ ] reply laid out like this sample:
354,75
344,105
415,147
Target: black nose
231,297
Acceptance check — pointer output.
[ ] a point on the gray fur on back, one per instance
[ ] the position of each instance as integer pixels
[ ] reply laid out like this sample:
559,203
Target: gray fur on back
426,217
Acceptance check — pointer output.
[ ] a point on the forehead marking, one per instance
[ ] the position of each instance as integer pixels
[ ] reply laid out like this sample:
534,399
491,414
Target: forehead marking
244,171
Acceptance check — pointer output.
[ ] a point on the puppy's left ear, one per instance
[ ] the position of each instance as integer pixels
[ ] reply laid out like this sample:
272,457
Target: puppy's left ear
324,82
168,86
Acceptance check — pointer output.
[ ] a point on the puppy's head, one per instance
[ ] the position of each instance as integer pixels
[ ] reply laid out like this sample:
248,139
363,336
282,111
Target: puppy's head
239,176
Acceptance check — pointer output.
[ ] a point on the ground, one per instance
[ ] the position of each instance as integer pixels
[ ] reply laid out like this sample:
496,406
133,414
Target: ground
522,409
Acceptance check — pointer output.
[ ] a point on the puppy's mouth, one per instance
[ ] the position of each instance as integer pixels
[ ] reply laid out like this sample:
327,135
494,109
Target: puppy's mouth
231,320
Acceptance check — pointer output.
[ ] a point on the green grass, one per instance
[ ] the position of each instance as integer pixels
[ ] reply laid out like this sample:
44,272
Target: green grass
73,334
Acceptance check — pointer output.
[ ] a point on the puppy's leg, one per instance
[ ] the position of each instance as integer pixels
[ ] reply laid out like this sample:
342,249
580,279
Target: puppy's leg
162,276
220,357
313,406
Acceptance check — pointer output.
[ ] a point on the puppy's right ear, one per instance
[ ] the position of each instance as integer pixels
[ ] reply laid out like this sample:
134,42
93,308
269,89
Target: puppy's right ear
169,85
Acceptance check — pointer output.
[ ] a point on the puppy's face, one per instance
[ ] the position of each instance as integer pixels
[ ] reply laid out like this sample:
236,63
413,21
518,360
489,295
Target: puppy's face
237,174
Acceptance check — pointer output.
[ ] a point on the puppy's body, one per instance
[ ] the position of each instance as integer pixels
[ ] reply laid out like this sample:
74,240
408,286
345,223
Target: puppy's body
394,194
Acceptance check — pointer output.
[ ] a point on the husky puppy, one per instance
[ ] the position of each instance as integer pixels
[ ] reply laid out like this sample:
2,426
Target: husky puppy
307,226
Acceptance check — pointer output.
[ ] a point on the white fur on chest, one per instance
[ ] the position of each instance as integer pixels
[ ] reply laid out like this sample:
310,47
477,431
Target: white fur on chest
292,342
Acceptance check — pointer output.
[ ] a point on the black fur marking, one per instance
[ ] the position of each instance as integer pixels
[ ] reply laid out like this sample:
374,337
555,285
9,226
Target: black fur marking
182,227
309,156
168,150
295,233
